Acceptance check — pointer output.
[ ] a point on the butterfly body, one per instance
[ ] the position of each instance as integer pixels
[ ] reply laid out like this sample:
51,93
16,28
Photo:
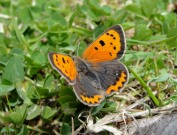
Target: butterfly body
97,73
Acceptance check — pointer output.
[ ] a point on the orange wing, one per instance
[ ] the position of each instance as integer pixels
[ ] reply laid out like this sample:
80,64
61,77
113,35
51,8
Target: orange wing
65,65
109,45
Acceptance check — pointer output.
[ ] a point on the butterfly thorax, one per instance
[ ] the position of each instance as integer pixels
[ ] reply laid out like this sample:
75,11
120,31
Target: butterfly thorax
84,68
81,65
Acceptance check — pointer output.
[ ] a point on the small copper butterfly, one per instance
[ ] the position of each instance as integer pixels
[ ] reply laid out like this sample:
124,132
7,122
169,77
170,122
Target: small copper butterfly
98,73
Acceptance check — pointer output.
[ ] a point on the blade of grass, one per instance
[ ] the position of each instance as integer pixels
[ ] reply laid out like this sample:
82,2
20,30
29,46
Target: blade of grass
37,129
148,90
132,41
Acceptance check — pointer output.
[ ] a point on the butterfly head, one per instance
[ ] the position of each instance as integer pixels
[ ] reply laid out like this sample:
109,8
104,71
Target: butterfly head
81,65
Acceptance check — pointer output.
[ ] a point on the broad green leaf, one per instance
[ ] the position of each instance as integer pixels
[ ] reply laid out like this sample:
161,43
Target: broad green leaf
65,129
49,82
97,9
98,31
33,111
66,91
48,113
138,55
44,92
18,116
17,51
142,32
24,15
67,109
5,89
81,47
22,90
148,7
39,58
66,98
14,70
24,130
172,33
135,9
160,78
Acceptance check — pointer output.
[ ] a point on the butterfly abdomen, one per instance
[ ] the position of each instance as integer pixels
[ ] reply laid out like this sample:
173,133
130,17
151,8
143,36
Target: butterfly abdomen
83,67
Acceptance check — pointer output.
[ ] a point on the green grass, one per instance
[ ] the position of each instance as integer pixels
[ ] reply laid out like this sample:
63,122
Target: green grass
34,99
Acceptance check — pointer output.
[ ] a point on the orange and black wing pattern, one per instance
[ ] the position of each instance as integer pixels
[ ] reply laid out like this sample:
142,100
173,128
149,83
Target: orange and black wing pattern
108,46
86,91
112,75
64,64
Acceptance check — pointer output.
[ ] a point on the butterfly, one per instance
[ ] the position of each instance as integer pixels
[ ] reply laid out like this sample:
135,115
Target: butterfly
97,73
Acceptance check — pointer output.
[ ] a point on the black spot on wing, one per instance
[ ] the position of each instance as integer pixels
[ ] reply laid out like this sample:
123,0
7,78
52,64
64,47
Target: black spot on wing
118,88
112,35
96,48
63,60
102,42
119,30
66,71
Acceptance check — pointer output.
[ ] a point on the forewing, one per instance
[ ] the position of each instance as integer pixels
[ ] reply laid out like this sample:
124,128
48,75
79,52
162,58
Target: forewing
64,64
109,45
